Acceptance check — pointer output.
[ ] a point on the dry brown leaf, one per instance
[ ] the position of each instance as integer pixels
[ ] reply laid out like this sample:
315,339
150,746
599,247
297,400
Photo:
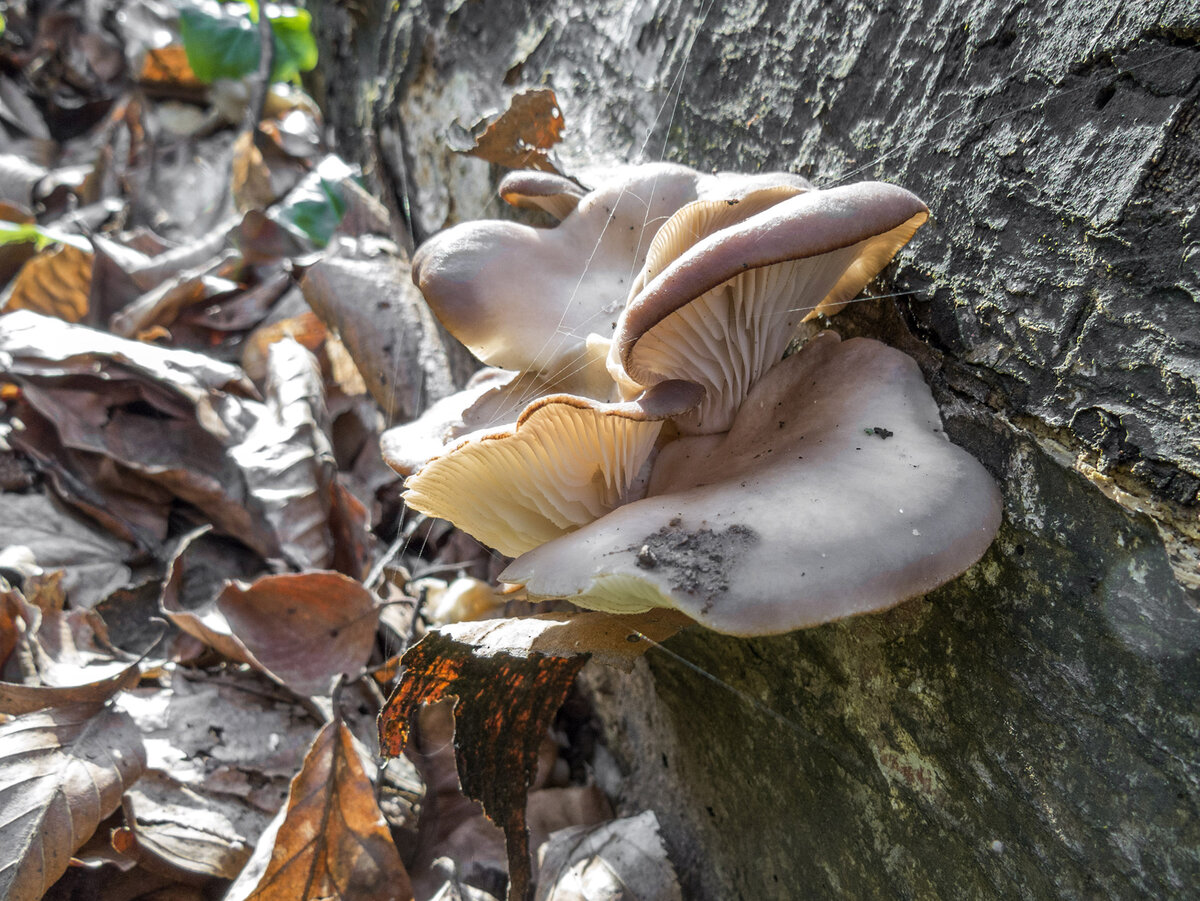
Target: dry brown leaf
64,658
168,67
185,829
251,179
92,561
56,283
162,305
306,330
521,136
232,736
287,462
330,841
498,734
302,629
621,860
62,771
385,324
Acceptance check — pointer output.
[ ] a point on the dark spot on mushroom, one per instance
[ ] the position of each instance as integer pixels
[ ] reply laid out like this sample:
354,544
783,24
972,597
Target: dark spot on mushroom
883,433
699,562
781,423
733,202
1020,550
675,522
333,633
633,638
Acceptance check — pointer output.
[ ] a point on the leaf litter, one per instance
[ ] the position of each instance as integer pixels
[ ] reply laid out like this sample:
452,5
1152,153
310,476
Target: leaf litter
205,324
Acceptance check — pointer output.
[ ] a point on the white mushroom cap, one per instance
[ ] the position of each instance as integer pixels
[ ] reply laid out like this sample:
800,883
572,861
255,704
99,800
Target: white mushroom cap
527,298
835,493
724,292
566,461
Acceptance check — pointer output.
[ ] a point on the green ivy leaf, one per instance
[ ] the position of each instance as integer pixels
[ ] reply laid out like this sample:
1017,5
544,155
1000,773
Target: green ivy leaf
315,207
223,43
218,44
295,46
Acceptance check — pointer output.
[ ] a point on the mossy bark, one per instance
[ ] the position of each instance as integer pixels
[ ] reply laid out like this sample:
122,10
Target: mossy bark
1029,730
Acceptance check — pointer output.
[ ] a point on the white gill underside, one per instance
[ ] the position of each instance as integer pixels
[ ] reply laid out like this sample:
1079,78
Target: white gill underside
728,337
563,468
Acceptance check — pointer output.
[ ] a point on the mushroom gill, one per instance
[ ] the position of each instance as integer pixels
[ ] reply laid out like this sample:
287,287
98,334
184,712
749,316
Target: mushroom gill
723,292
565,462
834,493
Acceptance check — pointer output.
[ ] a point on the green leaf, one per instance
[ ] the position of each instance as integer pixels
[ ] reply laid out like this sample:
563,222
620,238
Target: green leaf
20,233
223,43
315,207
314,212
218,44
295,46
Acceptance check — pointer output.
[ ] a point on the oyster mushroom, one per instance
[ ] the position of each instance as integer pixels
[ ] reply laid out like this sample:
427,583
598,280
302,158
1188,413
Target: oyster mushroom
724,287
565,462
834,493
526,298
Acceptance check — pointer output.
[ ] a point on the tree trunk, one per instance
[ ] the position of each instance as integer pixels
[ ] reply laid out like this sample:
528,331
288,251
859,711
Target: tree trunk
1029,730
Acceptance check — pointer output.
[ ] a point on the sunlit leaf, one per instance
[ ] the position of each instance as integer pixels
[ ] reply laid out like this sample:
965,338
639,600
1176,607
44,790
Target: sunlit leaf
56,282
40,235
330,841
62,771
498,733
521,137
222,43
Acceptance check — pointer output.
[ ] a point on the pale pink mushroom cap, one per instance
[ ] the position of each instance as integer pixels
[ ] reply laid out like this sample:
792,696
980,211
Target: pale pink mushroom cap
526,298
835,493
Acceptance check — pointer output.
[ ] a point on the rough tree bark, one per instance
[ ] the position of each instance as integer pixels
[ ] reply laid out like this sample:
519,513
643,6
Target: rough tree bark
1031,729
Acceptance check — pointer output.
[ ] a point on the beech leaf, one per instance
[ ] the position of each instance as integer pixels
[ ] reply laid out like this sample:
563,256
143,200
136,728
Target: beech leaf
498,733
330,840
55,282
521,136
62,771
302,629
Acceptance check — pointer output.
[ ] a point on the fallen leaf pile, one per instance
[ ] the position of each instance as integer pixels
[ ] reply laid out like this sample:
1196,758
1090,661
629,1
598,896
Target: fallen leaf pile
208,581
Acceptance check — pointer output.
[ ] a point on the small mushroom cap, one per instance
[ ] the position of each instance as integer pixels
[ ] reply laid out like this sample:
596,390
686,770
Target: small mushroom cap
547,191
565,462
526,298
835,493
725,291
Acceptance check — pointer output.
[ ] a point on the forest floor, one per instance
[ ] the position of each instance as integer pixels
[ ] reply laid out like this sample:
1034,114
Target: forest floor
207,574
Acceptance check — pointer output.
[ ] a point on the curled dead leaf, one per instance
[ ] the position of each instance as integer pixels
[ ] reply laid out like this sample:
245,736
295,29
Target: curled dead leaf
330,840
62,771
498,734
521,136
302,629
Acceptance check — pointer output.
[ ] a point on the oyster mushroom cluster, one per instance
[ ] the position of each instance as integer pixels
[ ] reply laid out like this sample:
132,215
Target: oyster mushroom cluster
642,441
